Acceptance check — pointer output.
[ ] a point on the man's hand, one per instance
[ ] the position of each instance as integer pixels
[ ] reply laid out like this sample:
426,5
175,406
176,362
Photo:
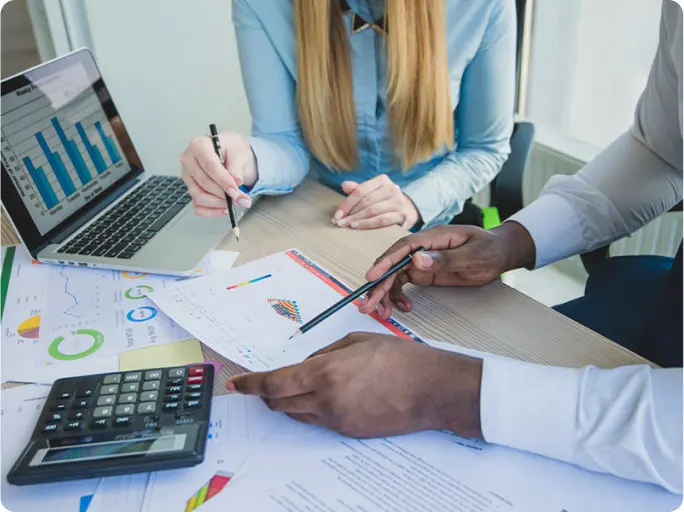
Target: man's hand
369,385
451,256
375,203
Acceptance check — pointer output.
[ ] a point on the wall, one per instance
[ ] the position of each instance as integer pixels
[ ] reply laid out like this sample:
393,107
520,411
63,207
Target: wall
18,45
172,68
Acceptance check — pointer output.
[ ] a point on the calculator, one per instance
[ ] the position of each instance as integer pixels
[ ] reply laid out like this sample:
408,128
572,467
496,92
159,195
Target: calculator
119,423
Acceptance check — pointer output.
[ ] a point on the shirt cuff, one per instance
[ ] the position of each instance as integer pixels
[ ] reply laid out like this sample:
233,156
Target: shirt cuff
269,181
554,227
424,198
530,407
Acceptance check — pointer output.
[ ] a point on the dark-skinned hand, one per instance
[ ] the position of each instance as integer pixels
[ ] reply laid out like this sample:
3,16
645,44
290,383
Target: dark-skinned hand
369,385
450,256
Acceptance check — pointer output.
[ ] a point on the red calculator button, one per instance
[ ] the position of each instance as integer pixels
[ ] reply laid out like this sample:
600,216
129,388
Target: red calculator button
196,379
199,370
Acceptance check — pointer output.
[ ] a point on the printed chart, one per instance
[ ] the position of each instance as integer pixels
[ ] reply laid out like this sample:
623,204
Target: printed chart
286,308
23,295
30,328
214,486
24,354
103,312
250,313
238,425
62,321
100,312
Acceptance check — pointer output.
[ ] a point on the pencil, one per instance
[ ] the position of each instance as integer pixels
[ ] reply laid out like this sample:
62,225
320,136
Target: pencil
229,201
351,297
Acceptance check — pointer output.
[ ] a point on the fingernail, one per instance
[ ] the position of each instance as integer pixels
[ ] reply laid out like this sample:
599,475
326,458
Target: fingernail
225,212
354,224
424,259
343,222
380,309
401,304
333,220
230,386
232,193
245,202
339,214
239,181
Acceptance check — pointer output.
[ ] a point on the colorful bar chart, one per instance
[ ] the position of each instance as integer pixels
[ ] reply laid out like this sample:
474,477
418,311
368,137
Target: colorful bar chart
92,150
73,152
210,489
42,183
109,144
57,166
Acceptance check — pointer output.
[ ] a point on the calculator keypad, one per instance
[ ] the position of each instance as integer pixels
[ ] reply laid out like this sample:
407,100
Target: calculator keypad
140,399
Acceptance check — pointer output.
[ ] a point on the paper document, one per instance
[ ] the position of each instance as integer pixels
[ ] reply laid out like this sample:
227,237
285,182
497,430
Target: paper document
249,313
120,493
61,321
21,408
238,425
430,472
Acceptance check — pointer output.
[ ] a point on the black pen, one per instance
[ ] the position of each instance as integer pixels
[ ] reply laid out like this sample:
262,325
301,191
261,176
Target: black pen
229,201
352,297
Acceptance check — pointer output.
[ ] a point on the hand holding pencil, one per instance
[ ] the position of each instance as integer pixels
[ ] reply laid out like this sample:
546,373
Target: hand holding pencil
352,296
210,172
231,209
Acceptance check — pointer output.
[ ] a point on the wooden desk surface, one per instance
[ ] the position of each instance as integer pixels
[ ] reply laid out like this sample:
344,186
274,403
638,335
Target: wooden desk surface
494,318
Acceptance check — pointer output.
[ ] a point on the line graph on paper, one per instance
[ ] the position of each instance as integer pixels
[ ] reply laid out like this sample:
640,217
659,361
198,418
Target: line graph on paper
105,309
71,296
80,300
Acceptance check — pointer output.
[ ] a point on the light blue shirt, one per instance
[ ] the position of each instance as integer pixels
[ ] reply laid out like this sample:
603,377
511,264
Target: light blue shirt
481,50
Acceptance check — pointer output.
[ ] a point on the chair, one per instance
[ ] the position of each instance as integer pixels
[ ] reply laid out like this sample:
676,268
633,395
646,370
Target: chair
591,259
507,188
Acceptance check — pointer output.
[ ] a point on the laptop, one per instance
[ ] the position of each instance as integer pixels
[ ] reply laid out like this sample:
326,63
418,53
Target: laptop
74,187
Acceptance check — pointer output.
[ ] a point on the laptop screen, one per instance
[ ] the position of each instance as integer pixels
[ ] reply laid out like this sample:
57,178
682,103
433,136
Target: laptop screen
61,144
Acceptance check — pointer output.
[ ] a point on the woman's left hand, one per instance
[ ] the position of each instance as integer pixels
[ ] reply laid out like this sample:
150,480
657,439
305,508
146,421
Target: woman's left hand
375,203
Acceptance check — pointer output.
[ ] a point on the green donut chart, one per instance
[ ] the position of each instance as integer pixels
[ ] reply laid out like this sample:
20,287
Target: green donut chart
138,292
98,340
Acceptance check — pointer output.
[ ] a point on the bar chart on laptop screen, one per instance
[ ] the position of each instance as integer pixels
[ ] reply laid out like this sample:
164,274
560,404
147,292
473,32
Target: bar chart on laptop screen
58,144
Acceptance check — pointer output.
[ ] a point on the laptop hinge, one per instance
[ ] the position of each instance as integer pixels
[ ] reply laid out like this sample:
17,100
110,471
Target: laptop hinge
112,195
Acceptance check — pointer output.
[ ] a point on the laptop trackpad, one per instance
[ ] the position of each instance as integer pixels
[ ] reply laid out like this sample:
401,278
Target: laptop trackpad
186,239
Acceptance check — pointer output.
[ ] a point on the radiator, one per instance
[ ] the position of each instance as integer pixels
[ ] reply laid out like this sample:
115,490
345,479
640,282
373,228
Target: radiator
662,236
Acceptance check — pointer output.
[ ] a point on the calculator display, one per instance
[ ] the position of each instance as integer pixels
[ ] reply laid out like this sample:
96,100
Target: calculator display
97,451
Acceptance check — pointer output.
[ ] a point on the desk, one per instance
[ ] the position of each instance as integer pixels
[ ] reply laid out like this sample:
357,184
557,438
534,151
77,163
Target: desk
493,318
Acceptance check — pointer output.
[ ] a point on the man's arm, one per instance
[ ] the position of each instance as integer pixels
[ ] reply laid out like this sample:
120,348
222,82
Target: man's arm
626,421
634,180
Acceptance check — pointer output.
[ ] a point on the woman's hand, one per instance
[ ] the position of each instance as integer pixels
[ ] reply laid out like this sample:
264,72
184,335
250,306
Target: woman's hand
208,180
375,203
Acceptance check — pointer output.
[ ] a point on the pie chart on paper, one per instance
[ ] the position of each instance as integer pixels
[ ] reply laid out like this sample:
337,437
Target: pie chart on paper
30,328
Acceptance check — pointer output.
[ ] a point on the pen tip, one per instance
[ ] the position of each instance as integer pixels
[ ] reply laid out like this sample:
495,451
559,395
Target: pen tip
236,232
297,333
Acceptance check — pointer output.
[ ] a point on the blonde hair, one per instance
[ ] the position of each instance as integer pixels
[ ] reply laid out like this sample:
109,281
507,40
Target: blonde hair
419,103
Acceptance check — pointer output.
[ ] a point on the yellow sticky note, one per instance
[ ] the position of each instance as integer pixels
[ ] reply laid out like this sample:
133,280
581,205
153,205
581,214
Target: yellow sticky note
179,353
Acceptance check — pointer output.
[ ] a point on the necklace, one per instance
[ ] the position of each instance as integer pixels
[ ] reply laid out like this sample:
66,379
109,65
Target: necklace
358,24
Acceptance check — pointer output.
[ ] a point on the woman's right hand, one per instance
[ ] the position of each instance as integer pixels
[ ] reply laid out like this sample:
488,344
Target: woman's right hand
208,180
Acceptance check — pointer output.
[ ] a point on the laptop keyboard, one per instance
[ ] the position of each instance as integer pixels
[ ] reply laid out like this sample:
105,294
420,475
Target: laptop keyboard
126,228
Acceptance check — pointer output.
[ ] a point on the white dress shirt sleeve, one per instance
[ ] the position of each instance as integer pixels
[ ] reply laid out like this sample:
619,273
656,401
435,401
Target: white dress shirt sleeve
630,183
625,421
